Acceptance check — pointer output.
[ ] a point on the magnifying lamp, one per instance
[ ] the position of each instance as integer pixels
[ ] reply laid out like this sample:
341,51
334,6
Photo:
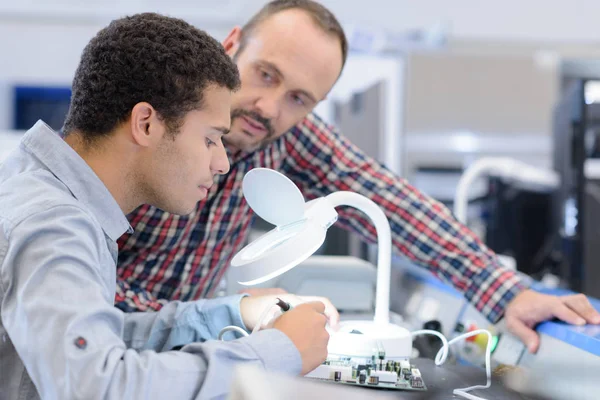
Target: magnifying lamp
300,229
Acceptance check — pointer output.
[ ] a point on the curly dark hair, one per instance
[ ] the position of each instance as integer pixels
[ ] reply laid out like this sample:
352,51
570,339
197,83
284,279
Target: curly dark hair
145,58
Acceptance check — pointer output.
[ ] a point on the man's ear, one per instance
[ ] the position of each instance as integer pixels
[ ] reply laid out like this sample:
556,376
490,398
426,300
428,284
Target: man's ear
232,41
146,128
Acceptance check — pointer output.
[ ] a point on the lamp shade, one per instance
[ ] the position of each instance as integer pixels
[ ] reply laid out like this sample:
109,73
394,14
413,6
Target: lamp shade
300,227
273,196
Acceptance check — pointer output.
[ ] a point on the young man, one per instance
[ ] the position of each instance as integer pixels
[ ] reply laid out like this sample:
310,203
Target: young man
151,102
289,55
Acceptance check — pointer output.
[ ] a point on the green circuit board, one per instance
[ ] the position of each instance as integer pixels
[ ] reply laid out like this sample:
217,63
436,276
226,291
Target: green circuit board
370,372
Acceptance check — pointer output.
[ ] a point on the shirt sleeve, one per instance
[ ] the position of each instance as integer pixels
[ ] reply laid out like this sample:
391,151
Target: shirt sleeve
321,161
180,323
57,309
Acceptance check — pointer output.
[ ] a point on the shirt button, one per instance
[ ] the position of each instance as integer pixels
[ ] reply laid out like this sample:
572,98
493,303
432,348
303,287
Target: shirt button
80,343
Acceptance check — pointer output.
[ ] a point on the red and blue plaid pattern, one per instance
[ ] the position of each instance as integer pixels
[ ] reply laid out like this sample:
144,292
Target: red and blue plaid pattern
172,257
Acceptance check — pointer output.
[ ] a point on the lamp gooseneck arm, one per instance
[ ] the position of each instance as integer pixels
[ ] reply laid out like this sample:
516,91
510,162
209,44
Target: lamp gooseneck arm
384,241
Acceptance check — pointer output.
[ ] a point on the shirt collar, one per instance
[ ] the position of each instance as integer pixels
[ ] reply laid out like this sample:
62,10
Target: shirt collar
78,177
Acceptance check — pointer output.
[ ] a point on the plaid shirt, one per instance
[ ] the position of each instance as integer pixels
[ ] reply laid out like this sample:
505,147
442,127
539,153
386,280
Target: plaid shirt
172,257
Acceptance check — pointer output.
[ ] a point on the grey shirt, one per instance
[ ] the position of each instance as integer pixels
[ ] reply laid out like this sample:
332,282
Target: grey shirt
60,336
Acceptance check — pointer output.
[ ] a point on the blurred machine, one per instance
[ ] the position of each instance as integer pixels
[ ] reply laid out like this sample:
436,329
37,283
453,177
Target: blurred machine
577,160
565,366
517,216
520,223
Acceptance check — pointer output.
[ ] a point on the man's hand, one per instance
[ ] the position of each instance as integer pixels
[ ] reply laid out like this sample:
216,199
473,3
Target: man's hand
529,308
305,326
253,307
263,291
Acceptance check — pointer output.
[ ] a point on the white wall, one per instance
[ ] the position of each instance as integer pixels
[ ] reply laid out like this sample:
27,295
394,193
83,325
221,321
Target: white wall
40,40
536,20
545,20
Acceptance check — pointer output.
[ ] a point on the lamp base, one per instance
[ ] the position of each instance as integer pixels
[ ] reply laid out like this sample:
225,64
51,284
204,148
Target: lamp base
369,338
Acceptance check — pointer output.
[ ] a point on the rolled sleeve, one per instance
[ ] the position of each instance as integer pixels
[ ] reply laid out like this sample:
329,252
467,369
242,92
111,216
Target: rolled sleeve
179,323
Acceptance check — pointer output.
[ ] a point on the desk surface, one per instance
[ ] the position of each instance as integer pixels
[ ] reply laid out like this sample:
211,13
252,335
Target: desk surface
254,383
441,381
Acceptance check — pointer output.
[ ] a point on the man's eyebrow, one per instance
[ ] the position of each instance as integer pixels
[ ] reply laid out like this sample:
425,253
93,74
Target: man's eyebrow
280,75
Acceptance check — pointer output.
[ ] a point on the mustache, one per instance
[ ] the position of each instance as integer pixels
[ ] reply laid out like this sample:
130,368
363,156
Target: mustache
239,112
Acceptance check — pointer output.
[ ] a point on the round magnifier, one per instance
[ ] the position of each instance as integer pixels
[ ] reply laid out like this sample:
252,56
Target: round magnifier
275,198
277,251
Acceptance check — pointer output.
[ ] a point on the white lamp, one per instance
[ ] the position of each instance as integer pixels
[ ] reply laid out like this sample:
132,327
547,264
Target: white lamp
300,231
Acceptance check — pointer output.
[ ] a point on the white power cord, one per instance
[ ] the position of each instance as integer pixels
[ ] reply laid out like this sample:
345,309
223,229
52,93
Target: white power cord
440,358
261,320
231,328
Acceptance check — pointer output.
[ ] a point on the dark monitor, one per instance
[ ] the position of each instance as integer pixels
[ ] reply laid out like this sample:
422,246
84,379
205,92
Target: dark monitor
520,223
49,104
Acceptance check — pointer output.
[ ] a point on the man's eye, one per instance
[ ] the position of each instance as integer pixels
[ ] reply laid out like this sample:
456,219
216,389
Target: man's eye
209,142
266,76
298,100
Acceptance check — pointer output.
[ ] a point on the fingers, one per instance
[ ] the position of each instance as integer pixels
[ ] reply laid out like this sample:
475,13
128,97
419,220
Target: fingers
564,313
331,312
580,304
523,332
318,306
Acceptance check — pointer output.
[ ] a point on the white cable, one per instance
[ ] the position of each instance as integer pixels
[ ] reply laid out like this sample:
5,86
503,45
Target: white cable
488,372
260,322
231,328
442,354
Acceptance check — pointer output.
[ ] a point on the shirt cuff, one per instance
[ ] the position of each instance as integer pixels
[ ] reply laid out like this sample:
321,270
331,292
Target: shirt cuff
276,350
220,312
236,313
493,290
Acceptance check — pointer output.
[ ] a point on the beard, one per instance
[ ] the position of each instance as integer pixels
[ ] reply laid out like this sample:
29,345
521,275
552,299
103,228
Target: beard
265,122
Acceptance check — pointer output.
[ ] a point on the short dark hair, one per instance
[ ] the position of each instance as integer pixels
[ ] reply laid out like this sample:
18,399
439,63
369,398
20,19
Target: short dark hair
319,14
145,58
